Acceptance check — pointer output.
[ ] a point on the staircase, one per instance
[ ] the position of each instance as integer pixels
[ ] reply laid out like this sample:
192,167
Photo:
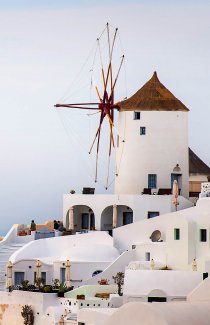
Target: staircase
73,317
6,250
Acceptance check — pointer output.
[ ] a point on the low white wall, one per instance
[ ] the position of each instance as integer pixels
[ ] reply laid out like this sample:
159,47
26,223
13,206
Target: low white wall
91,290
200,293
172,283
175,313
117,266
11,306
12,237
90,316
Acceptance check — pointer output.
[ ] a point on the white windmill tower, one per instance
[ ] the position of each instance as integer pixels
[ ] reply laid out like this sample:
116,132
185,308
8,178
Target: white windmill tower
154,150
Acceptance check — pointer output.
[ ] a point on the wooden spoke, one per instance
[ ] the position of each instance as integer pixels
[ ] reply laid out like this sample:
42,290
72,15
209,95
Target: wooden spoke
97,133
97,91
106,105
118,72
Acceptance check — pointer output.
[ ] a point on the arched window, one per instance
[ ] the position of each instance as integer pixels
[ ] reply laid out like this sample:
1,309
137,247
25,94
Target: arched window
96,272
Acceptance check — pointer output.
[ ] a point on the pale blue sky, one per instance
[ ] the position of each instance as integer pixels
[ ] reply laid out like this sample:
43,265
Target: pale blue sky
43,46
76,3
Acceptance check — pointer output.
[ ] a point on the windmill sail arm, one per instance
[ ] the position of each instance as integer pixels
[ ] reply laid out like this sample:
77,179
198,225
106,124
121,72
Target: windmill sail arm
80,106
99,106
118,72
105,104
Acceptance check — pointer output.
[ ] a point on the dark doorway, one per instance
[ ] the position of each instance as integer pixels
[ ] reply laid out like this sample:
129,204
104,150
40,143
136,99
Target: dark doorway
92,221
178,178
19,277
85,220
127,218
157,299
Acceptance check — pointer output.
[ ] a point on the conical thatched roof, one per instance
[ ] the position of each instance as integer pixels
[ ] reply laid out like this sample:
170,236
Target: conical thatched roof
153,96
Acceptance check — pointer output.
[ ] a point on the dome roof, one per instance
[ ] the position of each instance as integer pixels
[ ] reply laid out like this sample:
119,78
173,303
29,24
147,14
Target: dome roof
153,96
91,253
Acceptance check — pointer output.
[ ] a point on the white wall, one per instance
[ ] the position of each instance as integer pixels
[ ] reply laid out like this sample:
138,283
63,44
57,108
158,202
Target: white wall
189,221
172,283
117,266
140,232
157,252
200,293
175,313
164,145
90,290
95,316
15,300
176,259
12,237
140,204
80,271
29,267
53,253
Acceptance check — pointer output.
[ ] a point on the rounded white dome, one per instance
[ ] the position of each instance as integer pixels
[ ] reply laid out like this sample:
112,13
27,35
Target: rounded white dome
90,253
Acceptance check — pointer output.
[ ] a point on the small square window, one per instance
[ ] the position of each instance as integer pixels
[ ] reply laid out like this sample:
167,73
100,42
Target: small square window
136,115
203,234
152,214
142,130
176,234
147,256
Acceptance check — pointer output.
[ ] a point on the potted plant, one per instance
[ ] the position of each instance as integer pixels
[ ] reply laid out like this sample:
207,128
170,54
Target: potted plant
39,283
28,315
103,282
119,280
55,284
47,289
25,285
166,268
61,290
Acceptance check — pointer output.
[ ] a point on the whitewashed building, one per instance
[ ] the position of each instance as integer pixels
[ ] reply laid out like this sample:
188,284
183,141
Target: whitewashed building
152,152
132,247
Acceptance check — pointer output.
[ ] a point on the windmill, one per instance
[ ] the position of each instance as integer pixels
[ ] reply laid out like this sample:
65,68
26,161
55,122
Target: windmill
106,102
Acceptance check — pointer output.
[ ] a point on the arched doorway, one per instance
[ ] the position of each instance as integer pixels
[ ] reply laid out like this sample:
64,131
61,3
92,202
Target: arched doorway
83,218
124,217
157,295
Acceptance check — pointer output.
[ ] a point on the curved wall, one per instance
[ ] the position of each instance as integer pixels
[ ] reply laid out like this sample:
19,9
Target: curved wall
164,145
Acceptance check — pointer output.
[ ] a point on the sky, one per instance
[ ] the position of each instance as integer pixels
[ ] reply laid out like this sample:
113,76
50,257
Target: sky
44,44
